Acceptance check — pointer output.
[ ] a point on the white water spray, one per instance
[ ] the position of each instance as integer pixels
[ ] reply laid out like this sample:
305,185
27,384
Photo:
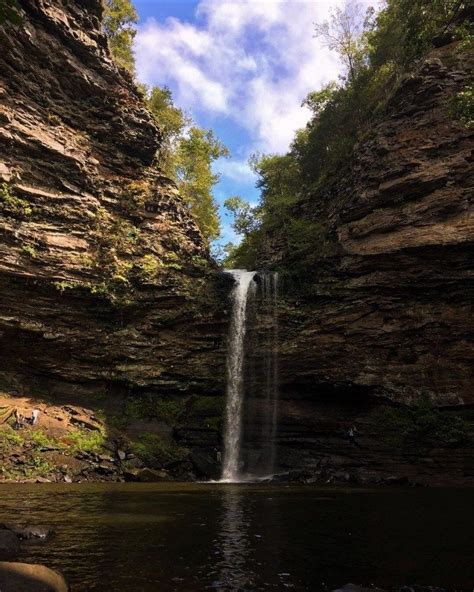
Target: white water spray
235,380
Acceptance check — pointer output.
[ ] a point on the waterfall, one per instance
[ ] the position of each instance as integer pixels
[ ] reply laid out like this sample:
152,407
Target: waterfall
235,373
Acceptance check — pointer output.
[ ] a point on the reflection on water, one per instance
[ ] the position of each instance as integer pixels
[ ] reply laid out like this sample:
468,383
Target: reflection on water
233,538
232,547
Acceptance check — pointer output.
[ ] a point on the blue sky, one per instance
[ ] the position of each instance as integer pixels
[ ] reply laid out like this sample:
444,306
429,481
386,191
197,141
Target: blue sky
240,67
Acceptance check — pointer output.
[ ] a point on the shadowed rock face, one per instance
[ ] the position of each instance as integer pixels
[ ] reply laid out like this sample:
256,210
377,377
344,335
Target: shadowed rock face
386,312
390,310
76,148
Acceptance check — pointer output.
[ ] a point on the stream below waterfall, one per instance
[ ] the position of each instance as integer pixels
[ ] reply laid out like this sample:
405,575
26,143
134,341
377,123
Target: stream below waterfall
175,537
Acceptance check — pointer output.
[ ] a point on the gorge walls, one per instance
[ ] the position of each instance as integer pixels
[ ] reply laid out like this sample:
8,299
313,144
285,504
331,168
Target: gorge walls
109,299
107,288
384,316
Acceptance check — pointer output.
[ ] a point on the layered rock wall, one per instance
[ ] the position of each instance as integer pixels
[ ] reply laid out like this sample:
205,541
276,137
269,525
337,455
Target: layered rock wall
384,317
106,282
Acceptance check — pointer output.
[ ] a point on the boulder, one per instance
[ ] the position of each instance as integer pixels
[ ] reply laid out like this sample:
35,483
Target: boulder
24,577
31,533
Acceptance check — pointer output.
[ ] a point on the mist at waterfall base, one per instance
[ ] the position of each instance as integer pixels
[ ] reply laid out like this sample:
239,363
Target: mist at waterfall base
252,378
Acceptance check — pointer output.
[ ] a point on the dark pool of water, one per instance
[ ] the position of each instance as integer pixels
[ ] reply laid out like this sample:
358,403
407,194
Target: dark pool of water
192,537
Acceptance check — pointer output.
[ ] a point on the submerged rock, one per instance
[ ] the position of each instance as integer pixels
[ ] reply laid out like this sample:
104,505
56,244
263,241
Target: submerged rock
9,546
24,577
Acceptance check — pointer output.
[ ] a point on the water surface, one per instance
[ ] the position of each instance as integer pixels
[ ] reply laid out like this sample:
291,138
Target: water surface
193,537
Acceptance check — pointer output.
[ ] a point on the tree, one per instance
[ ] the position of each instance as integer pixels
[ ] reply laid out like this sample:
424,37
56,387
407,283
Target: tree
120,17
186,155
317,101
246,218
172,121
342,33
195,155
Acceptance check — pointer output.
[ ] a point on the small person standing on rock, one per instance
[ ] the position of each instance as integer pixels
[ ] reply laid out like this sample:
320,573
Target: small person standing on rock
351,436
34,416
218,455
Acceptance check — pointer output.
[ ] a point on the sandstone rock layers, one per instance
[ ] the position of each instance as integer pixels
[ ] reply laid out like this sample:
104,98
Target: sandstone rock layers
391,308
76,149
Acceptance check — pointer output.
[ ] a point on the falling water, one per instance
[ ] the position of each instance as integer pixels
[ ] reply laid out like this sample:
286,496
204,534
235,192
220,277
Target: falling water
235,373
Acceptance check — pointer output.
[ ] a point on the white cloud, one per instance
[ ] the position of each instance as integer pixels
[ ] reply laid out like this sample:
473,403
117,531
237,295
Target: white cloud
253,61
237,170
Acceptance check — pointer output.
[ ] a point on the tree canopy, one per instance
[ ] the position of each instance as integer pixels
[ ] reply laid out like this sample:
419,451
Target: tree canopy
120,18
186,155
187,151
375,50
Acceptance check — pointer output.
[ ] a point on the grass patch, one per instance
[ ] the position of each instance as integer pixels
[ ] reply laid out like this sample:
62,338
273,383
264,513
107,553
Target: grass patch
13,205
40,440
85,441
38,466
9,439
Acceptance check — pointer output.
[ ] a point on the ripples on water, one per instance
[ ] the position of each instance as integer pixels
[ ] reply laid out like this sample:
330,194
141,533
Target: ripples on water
234,538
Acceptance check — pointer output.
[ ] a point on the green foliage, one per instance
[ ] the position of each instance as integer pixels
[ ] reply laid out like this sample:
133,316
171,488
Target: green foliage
29,251
186,156
114,240
134,196
148,268
246,218
39,439
38,466
10,12
172,121
9,439
120,19
198,149
11,204
150,407
376,52
85,441
463,106
422,426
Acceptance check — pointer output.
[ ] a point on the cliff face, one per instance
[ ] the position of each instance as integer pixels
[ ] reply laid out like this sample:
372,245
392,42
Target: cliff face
386,312
107,287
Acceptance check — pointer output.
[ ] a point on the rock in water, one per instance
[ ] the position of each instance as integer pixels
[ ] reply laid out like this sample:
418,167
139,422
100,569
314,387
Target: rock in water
24,577
9,545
